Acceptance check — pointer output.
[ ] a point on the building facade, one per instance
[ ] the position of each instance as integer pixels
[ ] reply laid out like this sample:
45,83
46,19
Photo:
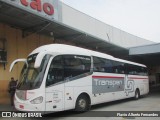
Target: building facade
28,24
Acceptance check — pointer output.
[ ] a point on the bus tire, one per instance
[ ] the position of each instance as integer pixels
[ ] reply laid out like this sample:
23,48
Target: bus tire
82,103
137,94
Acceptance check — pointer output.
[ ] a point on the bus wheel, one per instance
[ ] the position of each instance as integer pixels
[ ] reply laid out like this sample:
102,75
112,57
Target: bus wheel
82,103
137,94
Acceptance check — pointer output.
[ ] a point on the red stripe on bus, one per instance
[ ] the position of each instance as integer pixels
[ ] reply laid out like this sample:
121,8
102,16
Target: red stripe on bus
138,78
107,77
118,77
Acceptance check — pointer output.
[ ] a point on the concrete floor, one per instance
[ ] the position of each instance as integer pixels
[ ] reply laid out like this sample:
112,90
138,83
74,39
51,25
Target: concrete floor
150,102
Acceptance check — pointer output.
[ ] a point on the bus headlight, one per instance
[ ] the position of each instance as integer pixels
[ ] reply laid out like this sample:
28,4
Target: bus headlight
37,100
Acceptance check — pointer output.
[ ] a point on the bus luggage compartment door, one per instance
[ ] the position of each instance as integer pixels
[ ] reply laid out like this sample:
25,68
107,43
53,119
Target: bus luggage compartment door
54,98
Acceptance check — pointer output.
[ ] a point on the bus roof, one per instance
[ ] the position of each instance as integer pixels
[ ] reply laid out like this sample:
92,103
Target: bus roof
69,49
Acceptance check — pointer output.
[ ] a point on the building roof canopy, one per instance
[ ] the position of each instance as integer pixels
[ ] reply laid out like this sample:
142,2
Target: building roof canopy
149,54
31,23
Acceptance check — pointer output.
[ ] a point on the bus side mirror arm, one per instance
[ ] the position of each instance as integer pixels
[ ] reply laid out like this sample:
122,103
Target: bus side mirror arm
40,57
15,61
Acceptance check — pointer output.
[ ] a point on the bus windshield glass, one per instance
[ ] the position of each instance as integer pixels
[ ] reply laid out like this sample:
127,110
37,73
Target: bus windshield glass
30,77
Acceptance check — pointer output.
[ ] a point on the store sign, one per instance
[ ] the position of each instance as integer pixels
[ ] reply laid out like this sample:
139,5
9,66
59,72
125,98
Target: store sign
39,6
44,8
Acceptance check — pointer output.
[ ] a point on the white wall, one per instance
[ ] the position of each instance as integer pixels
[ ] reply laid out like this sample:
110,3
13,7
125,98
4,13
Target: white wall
89,25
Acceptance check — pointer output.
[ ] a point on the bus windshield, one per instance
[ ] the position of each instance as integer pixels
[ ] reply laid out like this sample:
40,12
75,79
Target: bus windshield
30,77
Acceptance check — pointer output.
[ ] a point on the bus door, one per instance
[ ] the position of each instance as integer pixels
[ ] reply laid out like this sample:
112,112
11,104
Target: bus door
55,85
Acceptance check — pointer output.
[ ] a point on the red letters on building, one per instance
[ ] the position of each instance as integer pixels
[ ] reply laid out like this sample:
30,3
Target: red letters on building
24,2
37,5
48,8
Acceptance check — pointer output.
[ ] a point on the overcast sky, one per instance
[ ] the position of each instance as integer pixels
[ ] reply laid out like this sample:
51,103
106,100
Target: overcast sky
138,17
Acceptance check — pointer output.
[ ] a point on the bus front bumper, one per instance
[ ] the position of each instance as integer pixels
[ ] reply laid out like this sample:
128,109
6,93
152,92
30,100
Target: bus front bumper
26,106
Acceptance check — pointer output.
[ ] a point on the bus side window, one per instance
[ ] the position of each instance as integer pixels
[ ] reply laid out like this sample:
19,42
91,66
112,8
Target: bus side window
108,66
102,65
118,67
98,64
55,73
75,65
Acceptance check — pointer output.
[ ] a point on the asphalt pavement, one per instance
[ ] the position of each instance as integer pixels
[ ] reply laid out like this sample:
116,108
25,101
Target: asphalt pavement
149,103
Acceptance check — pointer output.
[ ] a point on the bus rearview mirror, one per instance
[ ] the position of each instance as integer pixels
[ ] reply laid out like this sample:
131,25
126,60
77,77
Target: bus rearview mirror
15,61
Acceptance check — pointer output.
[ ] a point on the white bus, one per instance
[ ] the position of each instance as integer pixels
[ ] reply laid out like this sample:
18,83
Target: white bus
60,77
